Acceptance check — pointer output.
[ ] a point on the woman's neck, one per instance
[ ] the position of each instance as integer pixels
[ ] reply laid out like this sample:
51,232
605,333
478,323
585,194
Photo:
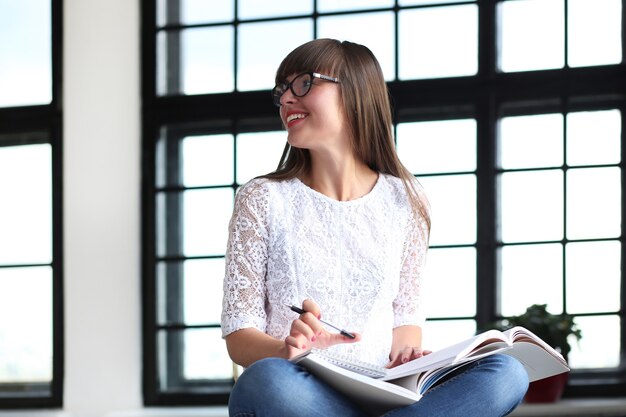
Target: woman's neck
341,179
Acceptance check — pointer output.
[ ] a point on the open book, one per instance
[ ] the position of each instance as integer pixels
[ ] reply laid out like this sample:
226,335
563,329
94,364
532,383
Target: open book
380,389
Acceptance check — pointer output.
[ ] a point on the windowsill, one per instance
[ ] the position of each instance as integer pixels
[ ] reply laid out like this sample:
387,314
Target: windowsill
605,407
217,411
592,407
34,413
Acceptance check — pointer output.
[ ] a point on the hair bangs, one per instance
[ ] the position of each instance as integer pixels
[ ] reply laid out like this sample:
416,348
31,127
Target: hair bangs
322,56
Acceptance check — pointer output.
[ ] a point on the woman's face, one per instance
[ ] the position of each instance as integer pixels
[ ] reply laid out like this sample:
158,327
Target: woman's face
315,121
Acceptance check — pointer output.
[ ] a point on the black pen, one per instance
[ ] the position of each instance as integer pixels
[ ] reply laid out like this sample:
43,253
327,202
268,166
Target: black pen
343,332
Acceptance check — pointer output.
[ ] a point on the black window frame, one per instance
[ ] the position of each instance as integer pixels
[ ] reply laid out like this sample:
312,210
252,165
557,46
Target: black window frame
486,97
26,125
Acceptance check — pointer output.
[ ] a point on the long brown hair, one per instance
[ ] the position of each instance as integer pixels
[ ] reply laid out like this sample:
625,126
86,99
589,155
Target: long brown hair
365,99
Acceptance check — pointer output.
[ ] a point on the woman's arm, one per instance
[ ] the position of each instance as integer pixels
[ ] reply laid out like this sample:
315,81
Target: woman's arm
407,306
406,345
248,345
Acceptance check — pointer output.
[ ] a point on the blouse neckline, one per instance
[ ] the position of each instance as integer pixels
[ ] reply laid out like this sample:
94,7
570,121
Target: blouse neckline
326,198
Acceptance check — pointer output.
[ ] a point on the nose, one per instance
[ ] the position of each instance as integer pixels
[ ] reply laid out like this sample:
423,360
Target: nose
287,97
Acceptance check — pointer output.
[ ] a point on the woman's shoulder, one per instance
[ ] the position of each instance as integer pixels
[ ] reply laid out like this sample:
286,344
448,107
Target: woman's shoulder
395,187
402,193
394,182
262,188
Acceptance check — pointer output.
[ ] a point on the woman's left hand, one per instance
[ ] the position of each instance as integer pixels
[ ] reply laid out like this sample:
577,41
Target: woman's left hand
405,355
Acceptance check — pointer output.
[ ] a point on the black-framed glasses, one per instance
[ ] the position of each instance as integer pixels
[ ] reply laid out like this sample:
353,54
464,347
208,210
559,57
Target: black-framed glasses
299,86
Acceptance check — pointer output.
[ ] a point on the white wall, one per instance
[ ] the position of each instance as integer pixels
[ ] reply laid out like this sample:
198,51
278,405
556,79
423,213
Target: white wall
101,95
102,206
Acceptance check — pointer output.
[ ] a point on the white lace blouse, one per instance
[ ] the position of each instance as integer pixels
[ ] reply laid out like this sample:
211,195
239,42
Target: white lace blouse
359,260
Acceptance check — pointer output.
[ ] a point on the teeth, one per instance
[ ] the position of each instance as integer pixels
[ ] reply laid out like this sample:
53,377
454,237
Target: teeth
295,116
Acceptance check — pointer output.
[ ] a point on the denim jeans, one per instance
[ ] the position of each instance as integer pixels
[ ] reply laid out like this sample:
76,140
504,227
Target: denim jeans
272,387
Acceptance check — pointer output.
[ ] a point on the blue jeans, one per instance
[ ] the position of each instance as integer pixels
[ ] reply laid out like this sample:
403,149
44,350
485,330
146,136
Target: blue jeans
272,387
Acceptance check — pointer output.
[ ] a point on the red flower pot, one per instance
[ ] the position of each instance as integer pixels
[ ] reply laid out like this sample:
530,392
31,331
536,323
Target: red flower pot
547,390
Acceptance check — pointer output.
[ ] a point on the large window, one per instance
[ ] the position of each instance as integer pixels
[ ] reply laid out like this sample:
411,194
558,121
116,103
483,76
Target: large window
31,317
516,134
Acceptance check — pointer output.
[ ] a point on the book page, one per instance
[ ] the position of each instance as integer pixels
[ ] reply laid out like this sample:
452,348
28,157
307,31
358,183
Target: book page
521,334
539,363
372,394
477,346
343,361
407,382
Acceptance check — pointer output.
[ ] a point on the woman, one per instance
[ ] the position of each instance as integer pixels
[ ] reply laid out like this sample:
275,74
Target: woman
341,230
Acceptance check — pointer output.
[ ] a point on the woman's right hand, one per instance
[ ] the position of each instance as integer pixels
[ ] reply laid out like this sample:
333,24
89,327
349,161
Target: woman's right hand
308,332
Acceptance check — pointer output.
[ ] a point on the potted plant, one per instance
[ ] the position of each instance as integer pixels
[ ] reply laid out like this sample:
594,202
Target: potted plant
556,330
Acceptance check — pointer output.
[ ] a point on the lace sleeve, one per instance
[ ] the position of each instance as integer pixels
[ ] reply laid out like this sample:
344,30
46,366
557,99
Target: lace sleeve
246,261
408,304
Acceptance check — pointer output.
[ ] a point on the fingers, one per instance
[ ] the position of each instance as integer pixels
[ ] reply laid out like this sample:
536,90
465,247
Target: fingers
303,332
301,338
336,338
296,343
301,335
307,331
312,307
405,355
311,318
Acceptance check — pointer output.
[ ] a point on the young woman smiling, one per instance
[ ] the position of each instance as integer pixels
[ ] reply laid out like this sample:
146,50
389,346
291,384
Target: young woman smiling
341,229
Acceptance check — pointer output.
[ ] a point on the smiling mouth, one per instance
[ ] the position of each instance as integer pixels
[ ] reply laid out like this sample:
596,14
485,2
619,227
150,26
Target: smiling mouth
295,116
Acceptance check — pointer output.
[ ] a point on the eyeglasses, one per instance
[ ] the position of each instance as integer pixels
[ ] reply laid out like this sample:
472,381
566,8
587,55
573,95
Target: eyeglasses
299,86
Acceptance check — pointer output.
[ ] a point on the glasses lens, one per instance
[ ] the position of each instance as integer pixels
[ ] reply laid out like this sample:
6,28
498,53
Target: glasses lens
277,93
301,84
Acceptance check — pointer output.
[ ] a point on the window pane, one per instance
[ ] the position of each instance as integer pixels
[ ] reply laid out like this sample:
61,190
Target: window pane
429,48
26,325
169,278
206,61
594,32
205,355
258,154
334,6
453,203
525,49
26,208
381,41
255,9
594,137
194,222
203,290
524,269
168,218
195,12
441,334
262,47
593,203
599,262
446,269
531,141
424,147
425,2
194,284
194,161
25,31
201,354
531,206
600,343
166,83
205,221
208,160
